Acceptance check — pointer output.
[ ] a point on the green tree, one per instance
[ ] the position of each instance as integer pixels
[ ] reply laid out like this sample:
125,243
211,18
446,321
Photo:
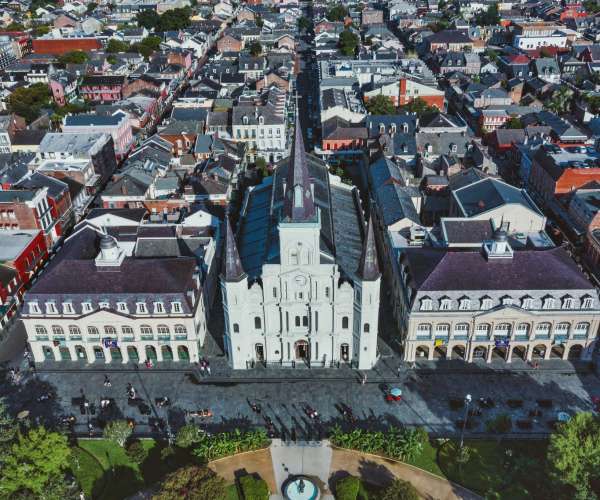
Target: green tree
348,42
489,17
117,431
261,166
28,101
35,460
40,30
136,452
115,46
258,20
337,13
380,105
561,100
514,122
73,57
188,435
174,19
347,488
420,107
192,483
254,489
147,18
91,7
111,60
400,490
591,6
255,48
14,27
304,23
593,102
8,425
147,46
574,455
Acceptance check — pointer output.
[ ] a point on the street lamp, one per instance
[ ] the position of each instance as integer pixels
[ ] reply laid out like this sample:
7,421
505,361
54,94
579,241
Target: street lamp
468,400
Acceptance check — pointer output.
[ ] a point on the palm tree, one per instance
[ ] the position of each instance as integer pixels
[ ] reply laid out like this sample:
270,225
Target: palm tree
560,101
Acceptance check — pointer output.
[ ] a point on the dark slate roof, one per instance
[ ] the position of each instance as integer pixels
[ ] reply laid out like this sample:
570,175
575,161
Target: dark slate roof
449,36
28,137
465,177
133,214
461,231
232,268
445,270
488,194
56,187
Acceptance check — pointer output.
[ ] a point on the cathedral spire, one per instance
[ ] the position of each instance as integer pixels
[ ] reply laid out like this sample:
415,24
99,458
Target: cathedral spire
368,267
299,204
233,266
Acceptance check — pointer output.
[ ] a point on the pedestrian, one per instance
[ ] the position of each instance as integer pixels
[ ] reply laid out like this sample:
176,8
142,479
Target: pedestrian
106,381
208,368
202,366
398,370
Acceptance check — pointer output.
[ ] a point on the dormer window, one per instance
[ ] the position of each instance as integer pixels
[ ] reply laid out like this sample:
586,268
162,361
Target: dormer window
548,303
176,307
445,304
507,301
103,305
122,307
34,308
141,308
245,120
465,304
68,308
568,303
527,303
486,303
405,128
588,303
393,128
261,120
51,308
381,128
426,304
453,148
159,308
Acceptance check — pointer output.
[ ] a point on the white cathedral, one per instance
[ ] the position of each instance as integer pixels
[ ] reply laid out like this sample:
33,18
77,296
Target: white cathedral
301,281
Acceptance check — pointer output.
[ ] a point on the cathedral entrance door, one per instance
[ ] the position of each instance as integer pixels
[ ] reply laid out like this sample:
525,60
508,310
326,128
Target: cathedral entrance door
302,351
260,352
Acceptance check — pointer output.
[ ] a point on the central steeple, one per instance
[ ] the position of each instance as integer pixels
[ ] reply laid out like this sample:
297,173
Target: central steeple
299,205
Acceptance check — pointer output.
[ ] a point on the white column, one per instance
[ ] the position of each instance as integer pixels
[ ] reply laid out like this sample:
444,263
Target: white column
56,351
529,353
548,351
89,349
488,354
159,356
175,352
565,354
124,353
37,351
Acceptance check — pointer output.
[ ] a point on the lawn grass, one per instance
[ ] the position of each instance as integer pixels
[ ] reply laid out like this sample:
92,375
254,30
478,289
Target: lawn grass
427,460
231,492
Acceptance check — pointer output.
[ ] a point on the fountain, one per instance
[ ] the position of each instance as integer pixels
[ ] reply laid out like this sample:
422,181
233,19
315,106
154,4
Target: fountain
300,488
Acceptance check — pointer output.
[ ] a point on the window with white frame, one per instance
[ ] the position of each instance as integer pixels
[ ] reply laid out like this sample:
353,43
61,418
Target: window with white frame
426,304
176,307
93,331
74,330
507,301
568,303
527,303
127,331
464,304
486,303
122,307
548,303
162,330
442,330
140,308
180,330
483,329
588,303
159,308
522,329
423,329
57,330
543,328
502,329
51,308
562,328
110,331
103,305
146,330
461,329
40,330
582,328
68,308
34,308
445,304
86,307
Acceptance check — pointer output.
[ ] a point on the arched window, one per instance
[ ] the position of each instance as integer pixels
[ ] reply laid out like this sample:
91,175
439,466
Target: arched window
366,328
443,329
522,329
236,328
461,329
502,329
582,328
562,328
162,330
345,322
297,321
426,304
257,322
424,330
74,330
483,329
180,330
57,330
543,328
110,330
40,330
127,330
405,128
93,331
146,330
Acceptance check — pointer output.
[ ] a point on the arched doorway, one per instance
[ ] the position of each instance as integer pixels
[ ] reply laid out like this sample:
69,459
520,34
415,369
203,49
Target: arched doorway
167,353
115,354
65,354
557,351
458,352
302,350
520,352
48,353
575,352
132,354
345,353
539,351
151,353
259,352
440,352
422,351
80,352
183,353
98,352
480,352
499,352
